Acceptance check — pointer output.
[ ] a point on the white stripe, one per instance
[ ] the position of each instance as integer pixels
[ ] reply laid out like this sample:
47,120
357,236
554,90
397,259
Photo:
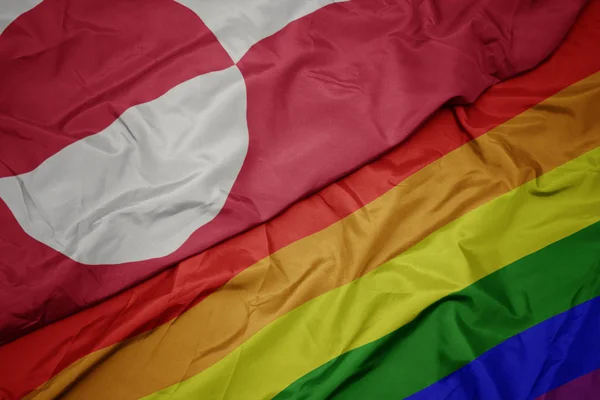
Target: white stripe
239,24
138,189
11,9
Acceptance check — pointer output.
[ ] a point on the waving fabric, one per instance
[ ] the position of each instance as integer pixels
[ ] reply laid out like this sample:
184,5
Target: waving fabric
299,199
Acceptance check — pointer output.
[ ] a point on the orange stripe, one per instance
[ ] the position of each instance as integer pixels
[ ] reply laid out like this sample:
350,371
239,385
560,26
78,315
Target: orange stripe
510,155
40,355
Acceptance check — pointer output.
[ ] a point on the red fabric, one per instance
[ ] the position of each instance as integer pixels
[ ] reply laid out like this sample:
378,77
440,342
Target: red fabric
69,68
326,94
41,354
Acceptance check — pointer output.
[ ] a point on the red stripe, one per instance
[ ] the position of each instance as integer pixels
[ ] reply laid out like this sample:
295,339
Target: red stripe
68,69
319,106
33,359
586,387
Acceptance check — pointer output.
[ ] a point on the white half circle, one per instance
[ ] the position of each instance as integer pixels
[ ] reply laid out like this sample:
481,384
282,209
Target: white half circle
11,9
240,24
140,188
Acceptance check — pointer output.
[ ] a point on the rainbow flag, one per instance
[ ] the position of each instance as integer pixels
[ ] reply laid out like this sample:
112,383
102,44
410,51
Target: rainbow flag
299,199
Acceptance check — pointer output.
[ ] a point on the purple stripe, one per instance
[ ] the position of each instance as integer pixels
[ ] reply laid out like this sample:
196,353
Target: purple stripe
532,363
586,387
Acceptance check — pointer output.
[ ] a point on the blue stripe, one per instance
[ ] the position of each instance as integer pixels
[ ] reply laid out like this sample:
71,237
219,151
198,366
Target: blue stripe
529,364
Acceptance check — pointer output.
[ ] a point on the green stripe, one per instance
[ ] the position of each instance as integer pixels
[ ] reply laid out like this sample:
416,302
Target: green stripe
460,327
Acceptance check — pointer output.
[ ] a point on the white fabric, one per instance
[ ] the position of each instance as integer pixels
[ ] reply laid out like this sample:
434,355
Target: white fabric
11,9
139,189
239,24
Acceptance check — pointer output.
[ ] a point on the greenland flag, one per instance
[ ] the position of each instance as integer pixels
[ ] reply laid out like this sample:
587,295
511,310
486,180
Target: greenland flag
135,133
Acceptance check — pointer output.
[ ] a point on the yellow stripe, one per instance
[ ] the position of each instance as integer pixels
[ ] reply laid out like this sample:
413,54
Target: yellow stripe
518,223
521,149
